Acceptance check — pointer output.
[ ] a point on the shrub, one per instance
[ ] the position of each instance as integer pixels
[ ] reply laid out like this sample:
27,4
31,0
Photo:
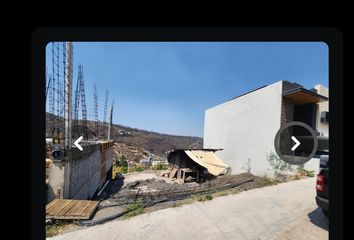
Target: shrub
265,180
117,170
176,204
310,173
136,169
296,177
301,172
304,172
208,197
57,227
121,163
202,198
133,206
277,164
160,166
120,166
133,209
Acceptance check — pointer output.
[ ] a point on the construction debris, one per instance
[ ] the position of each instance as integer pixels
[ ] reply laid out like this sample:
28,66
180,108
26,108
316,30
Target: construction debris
149,192
156,189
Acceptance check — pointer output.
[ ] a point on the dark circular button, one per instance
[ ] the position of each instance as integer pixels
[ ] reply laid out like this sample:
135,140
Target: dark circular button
296,143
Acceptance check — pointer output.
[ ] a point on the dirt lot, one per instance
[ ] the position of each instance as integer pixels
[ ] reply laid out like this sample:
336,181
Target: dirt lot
284,211
156,192
147,191
147,187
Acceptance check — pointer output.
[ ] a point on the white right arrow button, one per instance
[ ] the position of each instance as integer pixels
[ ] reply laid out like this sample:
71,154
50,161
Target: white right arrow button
297,143
76,143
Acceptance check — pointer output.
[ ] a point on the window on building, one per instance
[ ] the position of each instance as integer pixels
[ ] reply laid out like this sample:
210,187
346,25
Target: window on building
324,117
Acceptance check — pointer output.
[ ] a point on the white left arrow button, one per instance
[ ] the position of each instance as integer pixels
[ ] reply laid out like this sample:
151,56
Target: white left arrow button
76,143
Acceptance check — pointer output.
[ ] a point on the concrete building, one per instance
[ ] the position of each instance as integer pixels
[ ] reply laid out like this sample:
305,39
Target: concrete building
80,174
245,126
322,112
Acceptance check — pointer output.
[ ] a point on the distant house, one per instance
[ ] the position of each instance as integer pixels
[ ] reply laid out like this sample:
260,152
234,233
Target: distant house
146,161
245,126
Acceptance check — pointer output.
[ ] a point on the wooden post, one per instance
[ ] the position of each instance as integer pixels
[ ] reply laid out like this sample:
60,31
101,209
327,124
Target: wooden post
58,193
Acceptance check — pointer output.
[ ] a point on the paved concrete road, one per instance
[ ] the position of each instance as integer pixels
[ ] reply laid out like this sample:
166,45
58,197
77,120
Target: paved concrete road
284,211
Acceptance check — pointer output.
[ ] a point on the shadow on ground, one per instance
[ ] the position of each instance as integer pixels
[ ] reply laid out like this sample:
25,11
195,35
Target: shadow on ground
113,187
318,218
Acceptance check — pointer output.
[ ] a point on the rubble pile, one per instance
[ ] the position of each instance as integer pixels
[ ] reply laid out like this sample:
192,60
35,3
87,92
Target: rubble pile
156,189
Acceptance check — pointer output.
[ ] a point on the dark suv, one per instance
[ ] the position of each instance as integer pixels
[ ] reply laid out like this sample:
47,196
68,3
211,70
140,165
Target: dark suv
322,197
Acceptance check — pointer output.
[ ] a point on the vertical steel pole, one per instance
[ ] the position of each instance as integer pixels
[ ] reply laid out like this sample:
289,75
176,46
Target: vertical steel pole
68,94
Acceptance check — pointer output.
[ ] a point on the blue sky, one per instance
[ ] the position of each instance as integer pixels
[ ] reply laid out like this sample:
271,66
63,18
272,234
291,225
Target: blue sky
166,87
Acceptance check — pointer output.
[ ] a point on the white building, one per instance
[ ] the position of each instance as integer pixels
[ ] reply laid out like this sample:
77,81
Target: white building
245,126
322,112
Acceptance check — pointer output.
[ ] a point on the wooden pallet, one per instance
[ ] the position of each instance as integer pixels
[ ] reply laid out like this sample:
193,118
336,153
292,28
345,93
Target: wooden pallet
70,209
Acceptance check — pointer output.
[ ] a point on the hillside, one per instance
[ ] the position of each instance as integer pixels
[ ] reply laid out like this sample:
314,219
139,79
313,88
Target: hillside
153,142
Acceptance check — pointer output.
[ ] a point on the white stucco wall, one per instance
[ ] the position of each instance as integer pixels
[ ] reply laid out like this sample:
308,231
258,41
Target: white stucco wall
323,106
313,165
245,129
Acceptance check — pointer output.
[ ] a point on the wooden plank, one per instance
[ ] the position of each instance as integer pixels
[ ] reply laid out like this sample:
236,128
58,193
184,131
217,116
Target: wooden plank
186,169
84,208
61,206
87,212
67,208
90,210
70,217
173,173
72,209
80,208
54,208
50,205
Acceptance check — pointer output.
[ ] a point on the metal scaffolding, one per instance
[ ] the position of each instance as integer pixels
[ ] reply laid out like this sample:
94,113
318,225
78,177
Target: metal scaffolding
104,122
80,95
110,121
63,122
95,101
59,94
